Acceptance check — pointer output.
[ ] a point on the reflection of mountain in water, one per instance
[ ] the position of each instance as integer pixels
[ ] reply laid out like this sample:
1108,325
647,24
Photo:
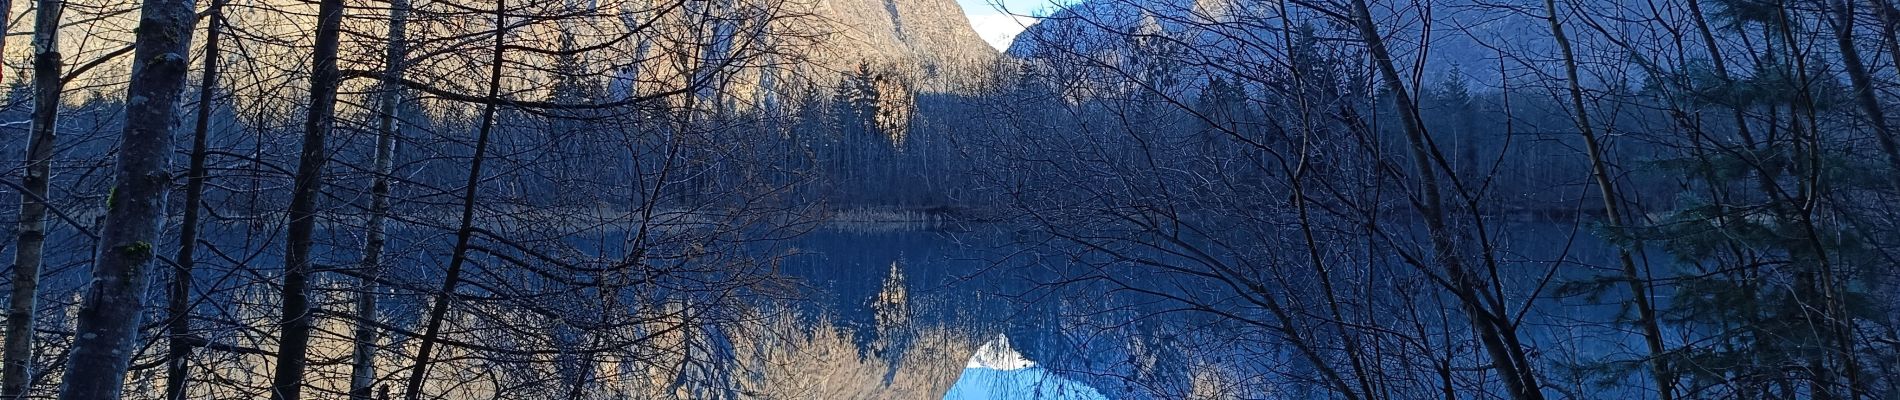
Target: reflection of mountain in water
997,371
1028,383
992,283
966,279
996,354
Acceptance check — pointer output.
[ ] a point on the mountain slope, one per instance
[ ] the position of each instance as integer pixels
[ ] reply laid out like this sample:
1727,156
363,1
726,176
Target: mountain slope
928,41
1463,37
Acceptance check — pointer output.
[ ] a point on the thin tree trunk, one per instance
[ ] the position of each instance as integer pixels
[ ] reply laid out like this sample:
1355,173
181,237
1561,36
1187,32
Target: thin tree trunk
109,315
1764,177
1840,324
177,357
1864,94
1491,330
17,377
1714,49
1606,187
1811,184
294,340
6,23
452,277
363,357
1297,177
1889,37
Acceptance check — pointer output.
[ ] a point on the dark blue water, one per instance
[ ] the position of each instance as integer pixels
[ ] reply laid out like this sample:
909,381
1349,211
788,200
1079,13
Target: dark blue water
997,279
979,279
989,280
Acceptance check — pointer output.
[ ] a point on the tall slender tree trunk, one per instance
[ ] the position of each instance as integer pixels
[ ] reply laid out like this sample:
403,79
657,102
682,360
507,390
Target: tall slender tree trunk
1864,90
109,315
363,357
1885,11
1494,332
1839,323
17,377
1714,49
177,357
293,342
451,278
1811,184
1297,178
1764,177
6,25
1840,361
1606,187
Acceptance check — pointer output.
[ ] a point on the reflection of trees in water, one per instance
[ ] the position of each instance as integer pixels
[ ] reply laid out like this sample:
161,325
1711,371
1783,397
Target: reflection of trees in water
823,361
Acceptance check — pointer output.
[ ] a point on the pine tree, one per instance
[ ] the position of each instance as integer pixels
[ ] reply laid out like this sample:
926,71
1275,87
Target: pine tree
1773,291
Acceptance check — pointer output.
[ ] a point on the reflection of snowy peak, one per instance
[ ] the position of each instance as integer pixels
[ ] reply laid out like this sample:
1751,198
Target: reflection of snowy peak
997,355
997,371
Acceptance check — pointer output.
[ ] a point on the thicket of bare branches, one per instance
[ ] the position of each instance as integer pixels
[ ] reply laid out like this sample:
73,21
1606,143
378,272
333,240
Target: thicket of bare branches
1561,199
482,199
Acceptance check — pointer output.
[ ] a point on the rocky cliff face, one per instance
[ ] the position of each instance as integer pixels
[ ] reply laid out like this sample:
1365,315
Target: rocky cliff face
929,42
1119,33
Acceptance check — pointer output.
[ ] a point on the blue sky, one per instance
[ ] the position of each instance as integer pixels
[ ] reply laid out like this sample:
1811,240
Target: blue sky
998,21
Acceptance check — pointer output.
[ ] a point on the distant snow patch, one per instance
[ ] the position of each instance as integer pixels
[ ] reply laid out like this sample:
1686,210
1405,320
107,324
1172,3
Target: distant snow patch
999,29
997,355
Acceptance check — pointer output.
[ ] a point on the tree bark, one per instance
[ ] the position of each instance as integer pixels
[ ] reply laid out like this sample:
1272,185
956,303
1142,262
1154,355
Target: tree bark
294,339
363,357
17,377
6,24
109,315
452,277
177,356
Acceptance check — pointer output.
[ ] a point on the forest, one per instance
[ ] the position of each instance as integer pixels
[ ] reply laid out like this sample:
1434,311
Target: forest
859,199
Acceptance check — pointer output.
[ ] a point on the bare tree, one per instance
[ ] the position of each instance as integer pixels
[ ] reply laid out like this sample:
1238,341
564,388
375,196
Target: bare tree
451,278
27,256
178,354
109,316
388,129
294,342
1637,281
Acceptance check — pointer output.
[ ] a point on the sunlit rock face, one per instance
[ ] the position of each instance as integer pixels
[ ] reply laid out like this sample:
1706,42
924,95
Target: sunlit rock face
1114,48
927,41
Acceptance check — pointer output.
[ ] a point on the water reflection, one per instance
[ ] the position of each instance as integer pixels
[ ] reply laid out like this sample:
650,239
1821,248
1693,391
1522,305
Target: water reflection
1087,341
